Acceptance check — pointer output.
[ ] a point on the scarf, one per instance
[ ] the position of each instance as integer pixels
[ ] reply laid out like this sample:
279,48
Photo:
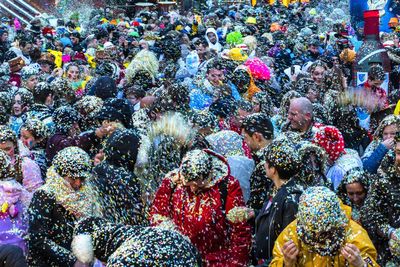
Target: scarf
82,203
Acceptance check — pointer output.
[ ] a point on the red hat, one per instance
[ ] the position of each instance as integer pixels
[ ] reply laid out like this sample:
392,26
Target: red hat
331,140
79,56
48,30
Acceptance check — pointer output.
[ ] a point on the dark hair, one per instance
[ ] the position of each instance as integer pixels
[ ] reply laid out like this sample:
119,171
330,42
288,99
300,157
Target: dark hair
376,73
215,64
258,123
136,91
245,105
41,91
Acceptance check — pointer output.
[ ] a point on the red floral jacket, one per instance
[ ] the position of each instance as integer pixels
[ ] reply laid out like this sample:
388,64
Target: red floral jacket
202,218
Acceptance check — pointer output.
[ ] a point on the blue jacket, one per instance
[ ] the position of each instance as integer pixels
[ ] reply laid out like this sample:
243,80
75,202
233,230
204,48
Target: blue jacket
371,163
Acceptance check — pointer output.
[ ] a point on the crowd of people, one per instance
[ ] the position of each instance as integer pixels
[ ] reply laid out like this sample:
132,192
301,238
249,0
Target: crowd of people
229,136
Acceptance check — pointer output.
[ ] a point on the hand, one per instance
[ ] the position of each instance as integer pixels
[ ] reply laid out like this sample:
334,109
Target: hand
290,252
58,72
352,254
240,214
176,179
393,236
389,143
105,129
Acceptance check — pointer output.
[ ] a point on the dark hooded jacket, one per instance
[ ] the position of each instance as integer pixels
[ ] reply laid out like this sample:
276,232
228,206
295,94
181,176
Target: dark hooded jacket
117,184
276,214
381,211
125,245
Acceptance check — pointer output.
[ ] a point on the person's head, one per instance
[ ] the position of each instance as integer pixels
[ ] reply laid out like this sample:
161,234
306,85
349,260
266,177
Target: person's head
75,37
121,148
21,101
43,94
244,109
257,131
205,122
8,141
281,160
73,165
376,76
387,128
7,170
314,161
212,37
29,77
317,71
25,46
215,73
201,169
331,140
73,72
66,120
397,152
33,132
3,36
321,222
134,94
356,185
201,46
300,114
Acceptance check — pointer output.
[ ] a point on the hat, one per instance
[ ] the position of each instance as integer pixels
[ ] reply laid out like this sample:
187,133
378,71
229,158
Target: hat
234,38
251,20
121,148
227,143
6,134
347,55
89,106
72,162
321,222
258,69
237,54
330,139
275,27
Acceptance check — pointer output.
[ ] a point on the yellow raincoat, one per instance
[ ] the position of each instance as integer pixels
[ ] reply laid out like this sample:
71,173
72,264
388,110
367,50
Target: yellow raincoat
355,235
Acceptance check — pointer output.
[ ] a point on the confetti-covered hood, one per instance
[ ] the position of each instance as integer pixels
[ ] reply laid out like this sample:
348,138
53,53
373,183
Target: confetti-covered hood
205,165
122,147
132,245
321,222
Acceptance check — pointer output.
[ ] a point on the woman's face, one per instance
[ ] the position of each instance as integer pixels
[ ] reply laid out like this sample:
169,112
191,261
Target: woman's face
9,148
318,74
27,138
389,132
356,193
195,186
17,106
73,73
31,82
